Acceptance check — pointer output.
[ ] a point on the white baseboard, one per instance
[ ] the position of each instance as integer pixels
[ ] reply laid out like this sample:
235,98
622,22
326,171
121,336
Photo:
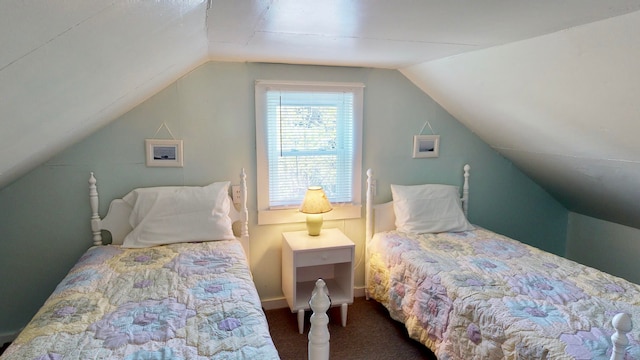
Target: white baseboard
281,302
358,291
275,303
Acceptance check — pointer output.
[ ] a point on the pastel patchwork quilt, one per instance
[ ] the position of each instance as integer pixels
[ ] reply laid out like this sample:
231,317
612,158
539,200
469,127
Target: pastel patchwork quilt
179,301
480,295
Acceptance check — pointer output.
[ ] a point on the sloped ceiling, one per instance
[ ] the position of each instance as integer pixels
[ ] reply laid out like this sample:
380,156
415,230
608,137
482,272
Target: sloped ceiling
563,107
551,85
68,67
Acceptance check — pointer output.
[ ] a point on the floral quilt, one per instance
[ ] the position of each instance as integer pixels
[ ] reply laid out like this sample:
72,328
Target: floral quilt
179,302
479,295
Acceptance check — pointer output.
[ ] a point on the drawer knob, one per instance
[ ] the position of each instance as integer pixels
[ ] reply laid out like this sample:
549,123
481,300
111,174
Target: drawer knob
324,257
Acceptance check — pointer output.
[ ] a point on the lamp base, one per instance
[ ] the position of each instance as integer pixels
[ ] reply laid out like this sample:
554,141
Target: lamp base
314,224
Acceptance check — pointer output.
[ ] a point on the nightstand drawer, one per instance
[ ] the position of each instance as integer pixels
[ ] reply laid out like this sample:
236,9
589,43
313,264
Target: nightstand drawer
322,257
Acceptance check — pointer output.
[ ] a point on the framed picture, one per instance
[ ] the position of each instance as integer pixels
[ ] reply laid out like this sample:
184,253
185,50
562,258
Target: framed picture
167,153
426,146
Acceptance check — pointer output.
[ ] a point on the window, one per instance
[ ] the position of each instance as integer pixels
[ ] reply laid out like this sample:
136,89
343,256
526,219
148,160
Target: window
308,134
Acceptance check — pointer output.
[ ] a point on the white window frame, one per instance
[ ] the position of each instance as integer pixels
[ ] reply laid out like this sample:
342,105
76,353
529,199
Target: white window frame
267,215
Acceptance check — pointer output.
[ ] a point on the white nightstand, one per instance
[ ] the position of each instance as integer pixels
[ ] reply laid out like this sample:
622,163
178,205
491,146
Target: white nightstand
306,258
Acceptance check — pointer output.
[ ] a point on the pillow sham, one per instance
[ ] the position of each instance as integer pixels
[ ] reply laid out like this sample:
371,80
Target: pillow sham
428,208
172,214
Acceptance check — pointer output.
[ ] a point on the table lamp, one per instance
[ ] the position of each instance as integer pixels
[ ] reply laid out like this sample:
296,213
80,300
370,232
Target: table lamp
315,203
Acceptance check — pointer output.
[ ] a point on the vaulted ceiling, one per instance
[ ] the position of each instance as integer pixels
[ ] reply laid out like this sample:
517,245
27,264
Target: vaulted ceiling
551,85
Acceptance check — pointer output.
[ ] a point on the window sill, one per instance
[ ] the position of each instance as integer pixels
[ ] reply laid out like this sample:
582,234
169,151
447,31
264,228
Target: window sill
285,216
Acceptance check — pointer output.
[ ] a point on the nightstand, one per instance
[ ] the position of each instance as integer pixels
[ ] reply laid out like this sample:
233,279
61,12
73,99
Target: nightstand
306,258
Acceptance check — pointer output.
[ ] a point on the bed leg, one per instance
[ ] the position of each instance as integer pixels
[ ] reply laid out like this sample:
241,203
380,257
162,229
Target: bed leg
622,323
319,333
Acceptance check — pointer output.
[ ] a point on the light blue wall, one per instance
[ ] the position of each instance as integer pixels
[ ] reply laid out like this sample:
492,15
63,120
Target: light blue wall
604,245
44,222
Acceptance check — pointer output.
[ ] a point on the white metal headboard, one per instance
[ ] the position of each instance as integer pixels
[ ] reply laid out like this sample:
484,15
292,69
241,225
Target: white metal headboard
117,219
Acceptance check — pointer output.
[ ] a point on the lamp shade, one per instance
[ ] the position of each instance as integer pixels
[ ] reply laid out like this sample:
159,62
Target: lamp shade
315,201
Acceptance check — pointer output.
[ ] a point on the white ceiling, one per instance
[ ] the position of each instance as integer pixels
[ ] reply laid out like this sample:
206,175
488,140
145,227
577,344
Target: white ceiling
388,34
552,85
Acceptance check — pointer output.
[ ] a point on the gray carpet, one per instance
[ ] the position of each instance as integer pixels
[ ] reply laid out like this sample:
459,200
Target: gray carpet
370,334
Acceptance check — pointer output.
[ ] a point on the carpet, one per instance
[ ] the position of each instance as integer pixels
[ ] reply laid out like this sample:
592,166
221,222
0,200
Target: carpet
370,334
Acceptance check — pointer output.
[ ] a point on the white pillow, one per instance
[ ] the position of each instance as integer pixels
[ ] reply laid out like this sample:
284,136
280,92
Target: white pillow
429,208
172,214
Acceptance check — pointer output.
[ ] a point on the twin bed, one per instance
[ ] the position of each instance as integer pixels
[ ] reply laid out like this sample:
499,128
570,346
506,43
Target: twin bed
175,283
469,293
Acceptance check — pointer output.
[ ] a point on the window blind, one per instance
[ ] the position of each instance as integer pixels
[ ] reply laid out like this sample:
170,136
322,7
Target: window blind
310,141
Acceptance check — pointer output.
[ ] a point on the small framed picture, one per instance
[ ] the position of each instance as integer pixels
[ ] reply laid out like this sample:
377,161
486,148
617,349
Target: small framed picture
426,146
167,153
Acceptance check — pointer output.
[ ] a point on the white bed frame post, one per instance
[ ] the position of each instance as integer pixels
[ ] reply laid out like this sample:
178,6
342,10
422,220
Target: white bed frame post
244,229
244,216
368,229
465,191
319,332
622,323
369,205
95,217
